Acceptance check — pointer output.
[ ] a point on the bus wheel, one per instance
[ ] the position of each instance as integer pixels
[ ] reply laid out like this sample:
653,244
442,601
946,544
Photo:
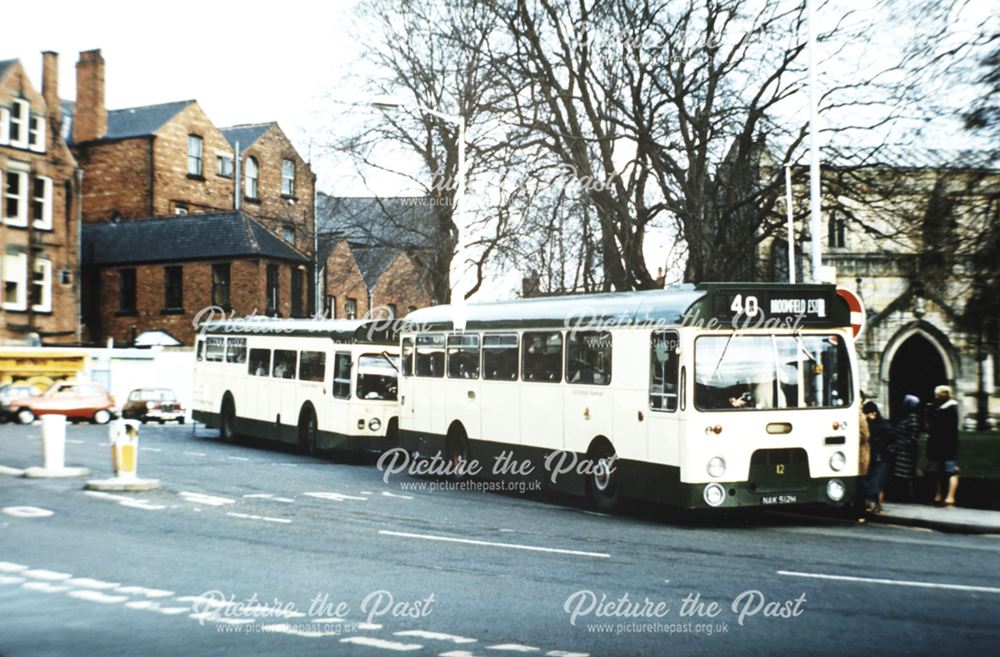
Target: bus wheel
227,420
457,448
307,431
603,487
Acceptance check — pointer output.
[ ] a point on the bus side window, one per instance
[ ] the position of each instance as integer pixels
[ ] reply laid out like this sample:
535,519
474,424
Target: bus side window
541,358
500,357
342,375
463,356
407,356
430,356
312,366
215,348
588,357
260,362
236,350
284,364
663,371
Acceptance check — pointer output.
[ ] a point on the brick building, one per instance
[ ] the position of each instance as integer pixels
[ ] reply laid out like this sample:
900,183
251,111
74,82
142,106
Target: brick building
370,255
39,211
162,274
168,160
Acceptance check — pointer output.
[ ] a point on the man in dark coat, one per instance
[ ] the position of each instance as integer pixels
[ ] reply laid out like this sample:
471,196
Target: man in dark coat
904,449
942,445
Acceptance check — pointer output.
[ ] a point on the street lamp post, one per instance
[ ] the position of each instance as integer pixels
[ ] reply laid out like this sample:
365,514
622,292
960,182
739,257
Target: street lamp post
456,273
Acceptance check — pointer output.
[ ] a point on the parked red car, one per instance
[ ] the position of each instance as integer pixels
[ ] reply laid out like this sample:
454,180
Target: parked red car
77,401
158,404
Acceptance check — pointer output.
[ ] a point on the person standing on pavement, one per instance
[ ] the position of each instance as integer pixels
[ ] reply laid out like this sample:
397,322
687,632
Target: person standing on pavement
864,462
880,437
942,446
904,449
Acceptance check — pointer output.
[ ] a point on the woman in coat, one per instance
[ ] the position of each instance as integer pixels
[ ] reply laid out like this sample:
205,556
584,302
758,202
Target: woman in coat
880,438
904,449
942,445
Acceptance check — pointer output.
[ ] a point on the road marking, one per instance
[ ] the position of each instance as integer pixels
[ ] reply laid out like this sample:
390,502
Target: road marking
285,628
237,458
75,441
512,546
205,601
27,512
202,498
513,647
388,494
152,605
125,500
88,583
284,500
142,590
250,516
892,582
382,643
438,636
329,620
44,587
8,567
194,453
563,653
97,596
367,492
336,497
150,449
368,626
11,579
48,575
261,496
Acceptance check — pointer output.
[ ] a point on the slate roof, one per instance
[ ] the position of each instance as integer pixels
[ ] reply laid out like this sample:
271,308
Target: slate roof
177,238
373,261
245,134
134,121
401,221
6,64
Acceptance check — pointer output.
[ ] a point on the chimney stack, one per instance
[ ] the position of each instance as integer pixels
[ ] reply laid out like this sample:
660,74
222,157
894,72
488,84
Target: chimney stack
50,88
90,117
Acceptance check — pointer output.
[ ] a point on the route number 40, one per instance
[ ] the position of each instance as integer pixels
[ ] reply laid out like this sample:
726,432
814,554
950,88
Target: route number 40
748,306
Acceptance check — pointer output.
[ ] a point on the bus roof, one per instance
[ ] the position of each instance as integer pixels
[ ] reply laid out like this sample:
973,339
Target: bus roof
339,330
819,305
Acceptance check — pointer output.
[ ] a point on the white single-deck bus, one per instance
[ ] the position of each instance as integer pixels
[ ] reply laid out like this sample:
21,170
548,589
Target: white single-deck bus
724,395
320,384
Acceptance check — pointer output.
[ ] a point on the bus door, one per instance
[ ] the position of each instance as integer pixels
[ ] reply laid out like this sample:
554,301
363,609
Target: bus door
338,409
541,390
665,392
257,404
406,384
462,382
499,392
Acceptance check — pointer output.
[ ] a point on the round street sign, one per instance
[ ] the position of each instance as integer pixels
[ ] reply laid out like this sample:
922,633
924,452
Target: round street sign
857,310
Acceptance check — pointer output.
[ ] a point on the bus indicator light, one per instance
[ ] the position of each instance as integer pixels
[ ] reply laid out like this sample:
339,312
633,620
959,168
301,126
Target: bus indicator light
835,490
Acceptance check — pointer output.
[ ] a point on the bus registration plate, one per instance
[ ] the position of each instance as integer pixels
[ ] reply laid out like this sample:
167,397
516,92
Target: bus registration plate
779,499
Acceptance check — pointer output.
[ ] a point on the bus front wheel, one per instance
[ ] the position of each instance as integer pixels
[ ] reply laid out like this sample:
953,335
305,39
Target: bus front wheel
603,486
227,420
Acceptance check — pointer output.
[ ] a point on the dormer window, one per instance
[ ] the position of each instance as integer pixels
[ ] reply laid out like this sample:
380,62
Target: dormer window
252,190
195,147
18,130
36,133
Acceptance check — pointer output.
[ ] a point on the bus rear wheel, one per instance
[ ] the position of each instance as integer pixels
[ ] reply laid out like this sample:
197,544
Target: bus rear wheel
603,485
227,420
307,431
457,448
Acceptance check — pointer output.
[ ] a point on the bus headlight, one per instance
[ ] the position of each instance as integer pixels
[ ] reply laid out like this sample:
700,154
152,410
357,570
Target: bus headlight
838,461
714,494
835,490
374,424
716,467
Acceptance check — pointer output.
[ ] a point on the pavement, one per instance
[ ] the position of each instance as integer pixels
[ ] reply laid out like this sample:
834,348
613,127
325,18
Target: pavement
250,550
948,519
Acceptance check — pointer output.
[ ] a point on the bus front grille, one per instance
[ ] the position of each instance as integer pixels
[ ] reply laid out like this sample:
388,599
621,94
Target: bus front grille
778,470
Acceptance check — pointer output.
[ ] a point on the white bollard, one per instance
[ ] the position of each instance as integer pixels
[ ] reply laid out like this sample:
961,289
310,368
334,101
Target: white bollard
54,451
53,442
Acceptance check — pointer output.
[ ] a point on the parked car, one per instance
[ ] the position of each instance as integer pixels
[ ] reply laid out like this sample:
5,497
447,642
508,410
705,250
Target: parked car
11,392
75,400
158,404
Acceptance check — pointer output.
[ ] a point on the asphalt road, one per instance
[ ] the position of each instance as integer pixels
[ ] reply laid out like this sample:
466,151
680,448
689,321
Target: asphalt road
254,551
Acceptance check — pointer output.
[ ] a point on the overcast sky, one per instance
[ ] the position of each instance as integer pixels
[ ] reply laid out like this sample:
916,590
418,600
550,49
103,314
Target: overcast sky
244,62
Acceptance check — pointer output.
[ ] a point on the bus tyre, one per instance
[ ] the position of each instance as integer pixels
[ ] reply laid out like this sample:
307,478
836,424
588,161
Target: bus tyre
307,431
227,420
603,487
457,448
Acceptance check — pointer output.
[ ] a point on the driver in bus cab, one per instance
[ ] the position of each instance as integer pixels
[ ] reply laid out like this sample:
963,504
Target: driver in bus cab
742,401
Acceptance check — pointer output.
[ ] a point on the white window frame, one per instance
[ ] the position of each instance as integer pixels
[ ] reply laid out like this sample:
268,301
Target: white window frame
4,126
45,222
288,179
21,218
22,119
44,267
15,270
198,156
224,165
253,181
36,132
